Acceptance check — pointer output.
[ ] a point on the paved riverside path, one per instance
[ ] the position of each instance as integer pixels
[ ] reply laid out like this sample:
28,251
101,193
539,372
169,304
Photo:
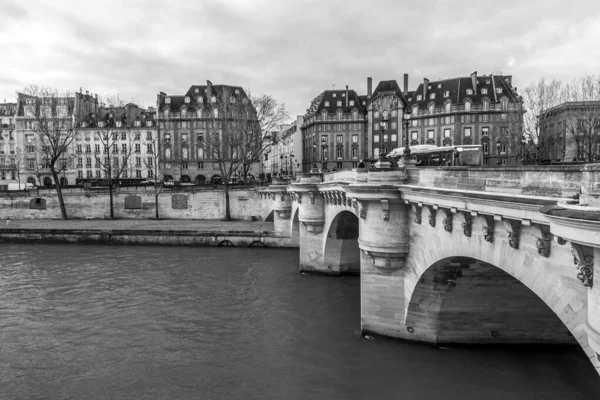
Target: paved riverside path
138,224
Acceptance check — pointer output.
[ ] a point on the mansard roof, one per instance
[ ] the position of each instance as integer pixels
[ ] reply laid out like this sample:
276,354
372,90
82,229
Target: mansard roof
387,87
327,101
457,88
196,91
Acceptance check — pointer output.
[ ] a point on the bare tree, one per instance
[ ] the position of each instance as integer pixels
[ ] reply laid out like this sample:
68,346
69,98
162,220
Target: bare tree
261,131
155,147
537,99
18,164
116,144
583,123
54,125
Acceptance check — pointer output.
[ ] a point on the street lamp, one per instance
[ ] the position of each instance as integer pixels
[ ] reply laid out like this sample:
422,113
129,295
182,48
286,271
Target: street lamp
292,164
406,152
381,108
281,165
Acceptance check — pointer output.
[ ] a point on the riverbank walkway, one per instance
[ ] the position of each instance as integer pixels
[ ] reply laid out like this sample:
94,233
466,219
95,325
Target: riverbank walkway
138,225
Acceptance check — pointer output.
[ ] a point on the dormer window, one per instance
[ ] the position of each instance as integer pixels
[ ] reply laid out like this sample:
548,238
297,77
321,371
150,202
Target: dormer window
168,100
429,87
138,123
232,100
487,81
213,99
197,90
419,97
448,107
415,111
187,99
439,85
334,95
499,90
483,90
200,100
351,102
119,123
469,91
326,104
447,93
432,96
364,103
410,99
339,103
343,94
431,109
237,91
486,105
148,123
467,106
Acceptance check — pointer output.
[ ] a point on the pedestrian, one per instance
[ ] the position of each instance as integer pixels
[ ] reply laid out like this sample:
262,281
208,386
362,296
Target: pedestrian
361,164
7,220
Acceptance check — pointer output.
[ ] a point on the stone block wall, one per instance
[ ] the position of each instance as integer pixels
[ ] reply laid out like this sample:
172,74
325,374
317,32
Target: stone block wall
132,203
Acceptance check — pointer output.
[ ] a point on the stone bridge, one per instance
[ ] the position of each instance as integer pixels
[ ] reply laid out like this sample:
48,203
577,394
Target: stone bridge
457,255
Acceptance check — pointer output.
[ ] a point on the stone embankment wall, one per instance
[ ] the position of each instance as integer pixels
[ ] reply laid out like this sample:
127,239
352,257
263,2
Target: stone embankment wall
204,203
551,181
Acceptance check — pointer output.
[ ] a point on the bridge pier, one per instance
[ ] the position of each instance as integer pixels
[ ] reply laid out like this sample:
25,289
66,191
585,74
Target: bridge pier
282,208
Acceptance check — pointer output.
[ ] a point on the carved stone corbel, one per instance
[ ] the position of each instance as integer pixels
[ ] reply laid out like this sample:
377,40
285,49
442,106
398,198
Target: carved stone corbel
418,213
284,214
385,207
362,210
338,198
432,216
468,224
313,227
447,220
513,228
342,198
299,198
348,202
386,262
544,243
355,206
488,230
583,258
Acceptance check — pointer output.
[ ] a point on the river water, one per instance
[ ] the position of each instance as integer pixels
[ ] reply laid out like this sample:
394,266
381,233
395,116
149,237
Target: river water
146,322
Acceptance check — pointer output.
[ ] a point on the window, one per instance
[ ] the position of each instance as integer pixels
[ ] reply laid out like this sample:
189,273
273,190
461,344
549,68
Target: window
432,96
138,173
469,91
414,135
415,111
503,116
467,132
149,148
168,100
340,165
467,106
136,136
354,138
351,103
384,114
354,114
486,148
376,139
88,162
184,153
98,174
394,125
137,148
78,148
148,135
485,131
385,137
184,137
339,103
499,90
339,153
447,93
376,114
431,121
394,113
200,153
201,165
326,104
216,113
116,162
414,122
448,107
167,137
503,148
80,174
88,174
213,99
325,153
446,133
324,139
419,97
150,162
80,163
138,161
430,134
355,152
168,153
483,90
504,104
394,137
339,139
503,161
448,120
431,109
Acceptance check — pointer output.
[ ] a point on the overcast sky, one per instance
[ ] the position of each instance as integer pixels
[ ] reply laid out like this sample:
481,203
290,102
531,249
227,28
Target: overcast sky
292,50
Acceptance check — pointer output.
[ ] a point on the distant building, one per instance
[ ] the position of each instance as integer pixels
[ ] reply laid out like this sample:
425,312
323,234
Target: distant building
332,131
482,110
570,132
284,155
8,142
183,126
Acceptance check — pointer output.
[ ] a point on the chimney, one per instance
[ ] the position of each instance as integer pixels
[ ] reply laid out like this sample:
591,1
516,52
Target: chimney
369,86
425,87
474,81
346,95
405,84
87,92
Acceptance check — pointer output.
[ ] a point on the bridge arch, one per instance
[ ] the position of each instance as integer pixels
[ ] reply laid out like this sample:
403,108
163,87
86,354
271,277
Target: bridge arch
295,225
341,253
450,275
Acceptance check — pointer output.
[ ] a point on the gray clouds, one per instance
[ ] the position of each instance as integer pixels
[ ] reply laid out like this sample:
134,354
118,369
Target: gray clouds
291,50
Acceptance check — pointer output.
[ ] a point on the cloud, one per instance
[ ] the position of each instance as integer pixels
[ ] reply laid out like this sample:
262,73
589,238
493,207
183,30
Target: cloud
291,50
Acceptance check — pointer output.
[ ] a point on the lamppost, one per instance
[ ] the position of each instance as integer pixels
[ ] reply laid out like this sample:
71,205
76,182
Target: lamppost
281,165
498,161
292,164
406,159
383,110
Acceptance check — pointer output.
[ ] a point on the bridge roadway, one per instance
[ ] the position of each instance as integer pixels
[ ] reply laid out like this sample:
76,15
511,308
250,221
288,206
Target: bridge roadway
456,255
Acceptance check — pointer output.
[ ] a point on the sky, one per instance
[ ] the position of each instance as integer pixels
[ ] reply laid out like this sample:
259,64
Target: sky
291,50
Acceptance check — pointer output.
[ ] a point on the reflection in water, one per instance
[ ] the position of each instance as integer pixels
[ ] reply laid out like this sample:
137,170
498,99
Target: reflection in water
212,323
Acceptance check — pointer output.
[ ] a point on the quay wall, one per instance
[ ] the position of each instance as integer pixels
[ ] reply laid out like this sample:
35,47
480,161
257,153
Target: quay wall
134,202
149,237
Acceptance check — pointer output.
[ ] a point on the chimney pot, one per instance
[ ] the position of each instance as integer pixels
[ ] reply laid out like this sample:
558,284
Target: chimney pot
405,84
369,86
346,95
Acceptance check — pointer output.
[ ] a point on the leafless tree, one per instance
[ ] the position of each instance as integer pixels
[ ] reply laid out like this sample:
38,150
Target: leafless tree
583,123
18,164
116,144
155,147
54,125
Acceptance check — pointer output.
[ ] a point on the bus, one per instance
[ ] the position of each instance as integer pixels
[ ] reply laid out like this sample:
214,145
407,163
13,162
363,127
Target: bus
430,155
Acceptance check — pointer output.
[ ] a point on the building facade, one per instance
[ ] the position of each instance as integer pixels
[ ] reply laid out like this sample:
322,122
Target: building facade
570,132
183,123
8,143
482,110
333,130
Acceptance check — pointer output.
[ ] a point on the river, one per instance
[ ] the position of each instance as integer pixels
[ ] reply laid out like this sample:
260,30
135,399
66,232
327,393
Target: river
149,322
